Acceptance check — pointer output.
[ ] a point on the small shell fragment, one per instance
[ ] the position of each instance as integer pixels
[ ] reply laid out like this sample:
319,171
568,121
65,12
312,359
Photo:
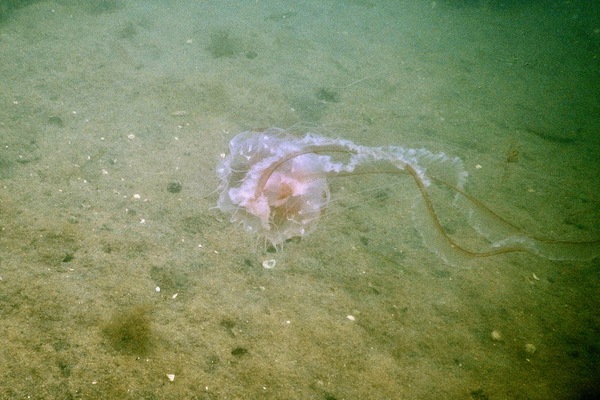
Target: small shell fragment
269,264
171,377
496,336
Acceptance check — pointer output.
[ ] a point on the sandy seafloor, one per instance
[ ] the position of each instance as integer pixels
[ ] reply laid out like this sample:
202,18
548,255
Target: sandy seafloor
108,108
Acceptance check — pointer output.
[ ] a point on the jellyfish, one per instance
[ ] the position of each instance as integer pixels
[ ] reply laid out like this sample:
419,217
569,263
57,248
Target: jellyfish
275,185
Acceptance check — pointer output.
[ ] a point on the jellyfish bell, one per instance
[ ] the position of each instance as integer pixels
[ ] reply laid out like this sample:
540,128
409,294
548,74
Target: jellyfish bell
270,188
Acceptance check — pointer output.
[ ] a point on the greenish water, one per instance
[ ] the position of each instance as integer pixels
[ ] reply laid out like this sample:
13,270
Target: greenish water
119,279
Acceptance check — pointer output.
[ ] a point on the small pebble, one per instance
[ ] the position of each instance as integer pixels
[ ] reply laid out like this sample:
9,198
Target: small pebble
174,187
530,348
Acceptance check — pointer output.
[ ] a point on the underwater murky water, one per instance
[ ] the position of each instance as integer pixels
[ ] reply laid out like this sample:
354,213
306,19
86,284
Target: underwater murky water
121,279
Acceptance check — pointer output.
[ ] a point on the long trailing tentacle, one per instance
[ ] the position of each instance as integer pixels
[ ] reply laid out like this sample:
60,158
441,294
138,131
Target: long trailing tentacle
508,237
